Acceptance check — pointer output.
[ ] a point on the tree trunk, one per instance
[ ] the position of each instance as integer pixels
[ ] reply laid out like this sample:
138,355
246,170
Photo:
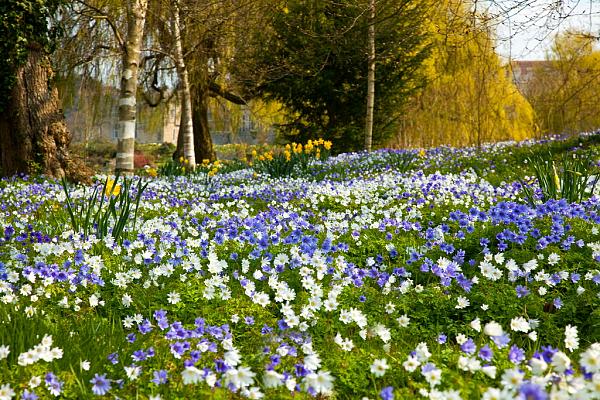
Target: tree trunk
203,144
186,128
370,79
33,135
136,18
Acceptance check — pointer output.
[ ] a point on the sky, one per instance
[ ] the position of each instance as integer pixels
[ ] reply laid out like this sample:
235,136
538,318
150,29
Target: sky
525,28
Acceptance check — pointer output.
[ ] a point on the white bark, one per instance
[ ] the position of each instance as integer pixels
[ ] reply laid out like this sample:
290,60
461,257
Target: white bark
186,127
136,18
370,79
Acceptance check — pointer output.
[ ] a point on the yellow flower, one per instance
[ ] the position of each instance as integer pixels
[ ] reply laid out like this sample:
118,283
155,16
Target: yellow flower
186,161
327,144
205,161
181,159
556,178
217,163
287,155
152,172
422,153
112,189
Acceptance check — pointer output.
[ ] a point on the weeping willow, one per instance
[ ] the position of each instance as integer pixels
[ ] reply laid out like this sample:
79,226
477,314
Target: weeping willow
469,98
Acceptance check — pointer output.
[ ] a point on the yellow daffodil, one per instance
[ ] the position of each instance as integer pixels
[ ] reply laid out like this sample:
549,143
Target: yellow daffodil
556,178
152,172
112,189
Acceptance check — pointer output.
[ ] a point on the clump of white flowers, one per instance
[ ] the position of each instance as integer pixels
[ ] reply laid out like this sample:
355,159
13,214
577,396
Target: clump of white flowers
42,351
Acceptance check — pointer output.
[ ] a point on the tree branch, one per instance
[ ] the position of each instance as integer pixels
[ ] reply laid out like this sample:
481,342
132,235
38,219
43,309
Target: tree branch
217,90
105,17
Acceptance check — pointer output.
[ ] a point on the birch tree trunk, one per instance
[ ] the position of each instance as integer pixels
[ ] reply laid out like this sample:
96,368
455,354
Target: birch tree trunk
370,79
136,18
186,127
33,135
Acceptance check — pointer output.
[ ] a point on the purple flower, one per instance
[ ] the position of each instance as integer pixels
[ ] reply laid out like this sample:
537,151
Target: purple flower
516,354
101,385
145,327
486,353
113,358
548,353
138,355
160,377
558,303
387,393
442,338
27,395
522,291
468,347
50,377
428,367
531,391
501,341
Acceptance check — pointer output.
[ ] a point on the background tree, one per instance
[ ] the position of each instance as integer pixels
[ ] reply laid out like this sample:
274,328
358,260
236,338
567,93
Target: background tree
370,77
564,90
469,98
33,134
213,35
136,18
316,56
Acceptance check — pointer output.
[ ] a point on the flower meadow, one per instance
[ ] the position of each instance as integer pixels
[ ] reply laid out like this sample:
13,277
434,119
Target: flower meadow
389,275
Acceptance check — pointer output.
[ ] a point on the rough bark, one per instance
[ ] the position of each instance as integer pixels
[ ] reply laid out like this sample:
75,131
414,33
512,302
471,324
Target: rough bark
33,135
136,18
186,128
202,140
370,78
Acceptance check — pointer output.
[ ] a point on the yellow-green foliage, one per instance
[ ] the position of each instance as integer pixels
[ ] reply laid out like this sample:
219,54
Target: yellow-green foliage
564,90
228,116
469,99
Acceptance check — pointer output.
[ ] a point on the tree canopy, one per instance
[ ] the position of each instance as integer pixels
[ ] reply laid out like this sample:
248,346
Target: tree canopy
469,98
24,24
317,53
